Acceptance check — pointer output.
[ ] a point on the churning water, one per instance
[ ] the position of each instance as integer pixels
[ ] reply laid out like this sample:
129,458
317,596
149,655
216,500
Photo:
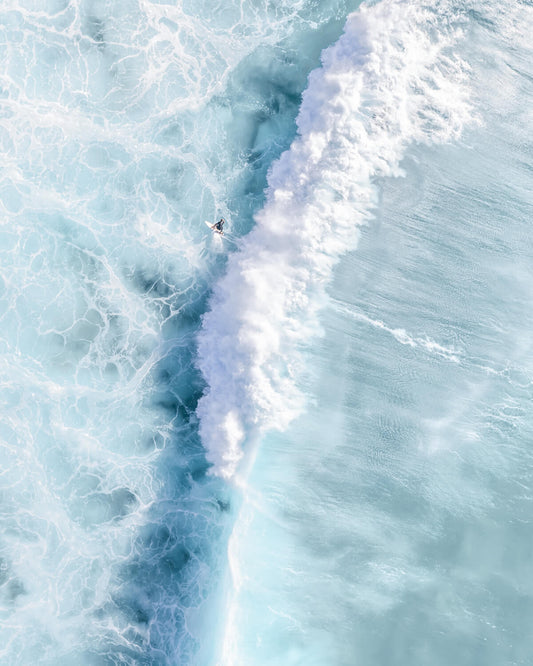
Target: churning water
307,442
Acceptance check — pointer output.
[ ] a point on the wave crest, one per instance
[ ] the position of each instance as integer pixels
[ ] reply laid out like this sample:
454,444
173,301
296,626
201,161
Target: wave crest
392,79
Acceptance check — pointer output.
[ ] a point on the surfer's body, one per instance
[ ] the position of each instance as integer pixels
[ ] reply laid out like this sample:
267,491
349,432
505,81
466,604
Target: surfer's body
218,226
218,229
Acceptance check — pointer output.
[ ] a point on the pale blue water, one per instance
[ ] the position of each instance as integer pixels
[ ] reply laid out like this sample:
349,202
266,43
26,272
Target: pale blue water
354,487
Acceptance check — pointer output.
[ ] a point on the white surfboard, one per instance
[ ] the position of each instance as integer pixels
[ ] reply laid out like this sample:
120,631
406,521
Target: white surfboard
227,237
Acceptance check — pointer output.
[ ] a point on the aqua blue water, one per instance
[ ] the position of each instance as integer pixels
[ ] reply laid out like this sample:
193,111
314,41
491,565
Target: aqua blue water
307,442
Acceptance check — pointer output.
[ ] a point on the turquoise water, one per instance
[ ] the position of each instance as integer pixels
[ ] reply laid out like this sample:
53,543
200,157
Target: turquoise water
308,442
124,126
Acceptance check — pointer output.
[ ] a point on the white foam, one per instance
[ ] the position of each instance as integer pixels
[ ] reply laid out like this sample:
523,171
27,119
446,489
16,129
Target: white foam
403,337
392,79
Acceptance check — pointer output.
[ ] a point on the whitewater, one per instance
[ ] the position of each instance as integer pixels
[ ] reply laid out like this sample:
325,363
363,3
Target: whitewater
307,442
320,192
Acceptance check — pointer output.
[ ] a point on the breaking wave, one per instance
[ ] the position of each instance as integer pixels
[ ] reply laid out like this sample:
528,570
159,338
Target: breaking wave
392,79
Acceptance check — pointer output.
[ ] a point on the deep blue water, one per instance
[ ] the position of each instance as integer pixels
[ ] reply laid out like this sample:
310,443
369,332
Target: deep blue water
307,442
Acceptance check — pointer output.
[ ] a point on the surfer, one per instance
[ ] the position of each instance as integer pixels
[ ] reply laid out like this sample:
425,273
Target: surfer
218,226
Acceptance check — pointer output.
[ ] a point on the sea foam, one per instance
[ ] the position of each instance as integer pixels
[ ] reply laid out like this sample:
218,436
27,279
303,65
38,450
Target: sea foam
110,531
392,79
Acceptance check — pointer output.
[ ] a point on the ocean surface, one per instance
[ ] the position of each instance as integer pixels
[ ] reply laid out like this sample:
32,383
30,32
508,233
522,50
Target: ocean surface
308,442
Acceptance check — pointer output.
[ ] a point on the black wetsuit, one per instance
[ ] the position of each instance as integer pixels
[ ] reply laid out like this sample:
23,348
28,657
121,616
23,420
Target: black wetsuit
218,226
